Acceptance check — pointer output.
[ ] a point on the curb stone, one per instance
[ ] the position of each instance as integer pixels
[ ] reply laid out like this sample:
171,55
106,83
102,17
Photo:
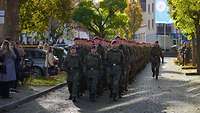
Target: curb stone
24,100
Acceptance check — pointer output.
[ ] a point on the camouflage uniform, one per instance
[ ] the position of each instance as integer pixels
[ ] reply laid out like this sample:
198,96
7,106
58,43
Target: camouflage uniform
72,67
92,68
83,52
102,77
156,53
125,73
115,63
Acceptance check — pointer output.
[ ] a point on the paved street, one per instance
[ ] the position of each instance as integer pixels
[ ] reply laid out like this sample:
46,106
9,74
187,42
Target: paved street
174,92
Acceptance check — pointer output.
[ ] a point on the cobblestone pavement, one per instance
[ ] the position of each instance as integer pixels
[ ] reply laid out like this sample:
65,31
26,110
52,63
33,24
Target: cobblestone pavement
172,93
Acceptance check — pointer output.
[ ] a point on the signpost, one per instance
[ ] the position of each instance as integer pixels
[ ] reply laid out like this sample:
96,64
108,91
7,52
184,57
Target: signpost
163,17
2,16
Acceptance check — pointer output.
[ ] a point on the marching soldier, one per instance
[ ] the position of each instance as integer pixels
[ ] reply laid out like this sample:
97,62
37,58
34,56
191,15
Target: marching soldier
156,53
72,67
115,64
82,51
102,77
125,74
93,67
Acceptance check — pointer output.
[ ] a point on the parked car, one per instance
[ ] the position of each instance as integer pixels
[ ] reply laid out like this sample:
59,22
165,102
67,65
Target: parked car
37,56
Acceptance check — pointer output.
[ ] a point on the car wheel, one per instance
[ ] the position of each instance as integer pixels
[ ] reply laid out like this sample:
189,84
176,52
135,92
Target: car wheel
37,71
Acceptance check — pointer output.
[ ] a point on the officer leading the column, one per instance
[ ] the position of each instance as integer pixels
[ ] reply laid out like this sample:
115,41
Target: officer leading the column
156,54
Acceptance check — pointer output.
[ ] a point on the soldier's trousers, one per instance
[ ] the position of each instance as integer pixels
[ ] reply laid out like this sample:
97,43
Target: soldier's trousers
73,83
155,68
100,84
114,79
92,83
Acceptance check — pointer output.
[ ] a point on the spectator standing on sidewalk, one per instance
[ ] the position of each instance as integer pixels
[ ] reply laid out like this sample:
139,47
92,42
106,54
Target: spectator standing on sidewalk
19,51
8,73
14,83
182,52
50,60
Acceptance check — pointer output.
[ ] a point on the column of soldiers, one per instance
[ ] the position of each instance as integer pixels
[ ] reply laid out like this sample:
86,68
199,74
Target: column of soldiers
97,65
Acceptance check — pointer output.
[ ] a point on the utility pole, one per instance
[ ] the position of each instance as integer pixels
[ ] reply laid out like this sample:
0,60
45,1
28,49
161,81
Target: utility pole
10,28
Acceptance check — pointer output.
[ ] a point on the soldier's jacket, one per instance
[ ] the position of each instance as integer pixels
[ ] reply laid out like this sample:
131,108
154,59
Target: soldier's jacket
156,53
72,63
93,62
115,57
126,52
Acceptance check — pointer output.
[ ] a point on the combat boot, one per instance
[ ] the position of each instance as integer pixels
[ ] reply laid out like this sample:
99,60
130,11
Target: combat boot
74,99
156,77
153,74
114,97
70,97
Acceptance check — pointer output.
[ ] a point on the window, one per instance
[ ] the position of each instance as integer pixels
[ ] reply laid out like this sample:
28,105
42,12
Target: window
149,8
143,5
152,23
153,7
149,24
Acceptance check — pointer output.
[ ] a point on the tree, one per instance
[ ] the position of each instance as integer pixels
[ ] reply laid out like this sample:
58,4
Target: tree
102,20
44,15
186,14
134,13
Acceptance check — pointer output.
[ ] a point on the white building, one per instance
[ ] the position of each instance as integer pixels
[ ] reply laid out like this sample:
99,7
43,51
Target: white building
147,30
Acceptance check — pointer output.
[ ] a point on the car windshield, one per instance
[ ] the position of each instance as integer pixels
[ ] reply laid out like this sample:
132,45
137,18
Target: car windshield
35,54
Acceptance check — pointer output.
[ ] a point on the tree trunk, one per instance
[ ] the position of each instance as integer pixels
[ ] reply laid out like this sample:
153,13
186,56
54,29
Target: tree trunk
198,45
194,50
12,19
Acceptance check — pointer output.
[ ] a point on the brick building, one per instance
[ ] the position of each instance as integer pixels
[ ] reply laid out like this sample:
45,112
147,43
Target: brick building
9,13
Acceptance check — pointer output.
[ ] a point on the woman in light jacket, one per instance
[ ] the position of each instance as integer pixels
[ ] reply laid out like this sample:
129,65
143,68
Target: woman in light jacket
8,58
50,59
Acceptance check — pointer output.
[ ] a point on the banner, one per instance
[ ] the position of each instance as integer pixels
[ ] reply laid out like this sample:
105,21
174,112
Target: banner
162,12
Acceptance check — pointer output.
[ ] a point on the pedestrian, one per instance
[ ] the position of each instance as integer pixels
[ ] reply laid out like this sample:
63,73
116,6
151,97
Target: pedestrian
182,52
50,61
156,54
14,84
7,69
93,67
73,68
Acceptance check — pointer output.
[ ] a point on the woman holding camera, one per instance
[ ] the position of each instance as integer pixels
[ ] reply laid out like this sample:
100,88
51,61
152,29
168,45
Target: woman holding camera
7,68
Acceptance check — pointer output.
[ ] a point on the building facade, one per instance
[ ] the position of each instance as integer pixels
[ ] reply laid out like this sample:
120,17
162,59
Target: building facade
10,27
148,29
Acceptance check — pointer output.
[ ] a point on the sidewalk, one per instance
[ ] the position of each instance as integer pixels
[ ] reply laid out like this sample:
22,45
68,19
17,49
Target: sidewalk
23,92
26,94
